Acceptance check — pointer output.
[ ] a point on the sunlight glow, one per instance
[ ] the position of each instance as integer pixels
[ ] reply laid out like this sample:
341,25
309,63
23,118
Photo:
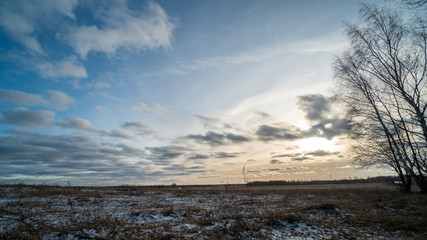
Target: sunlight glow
317,143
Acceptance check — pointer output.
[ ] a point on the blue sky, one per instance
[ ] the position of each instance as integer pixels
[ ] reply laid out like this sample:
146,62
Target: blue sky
154,92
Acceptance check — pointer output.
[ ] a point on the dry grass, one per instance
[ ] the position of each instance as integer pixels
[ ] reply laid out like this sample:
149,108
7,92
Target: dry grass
353,211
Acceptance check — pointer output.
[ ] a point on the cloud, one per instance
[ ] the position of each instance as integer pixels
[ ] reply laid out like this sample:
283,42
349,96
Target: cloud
275,161
198,157
315,106
210,138
81,124
22,98
82,158
300,158
61,69
287,155
225,155
268,133
140,128
208,122
182,170
130,150
236,138
60,100
330,128
142,107
27,118
121,27
323,122
321,153
214,139
20,19
77,124
23,19
163,155
318,110
120,134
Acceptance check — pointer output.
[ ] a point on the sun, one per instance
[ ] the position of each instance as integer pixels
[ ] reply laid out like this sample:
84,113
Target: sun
316,143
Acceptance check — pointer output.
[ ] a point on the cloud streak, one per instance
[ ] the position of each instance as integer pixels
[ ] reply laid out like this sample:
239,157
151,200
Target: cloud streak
214,138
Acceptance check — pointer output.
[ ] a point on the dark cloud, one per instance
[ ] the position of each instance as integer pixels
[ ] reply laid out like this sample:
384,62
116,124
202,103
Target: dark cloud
139,128
236,138
210,138
181,170
275,161
318,110
27,118
329,128
84,159
315,106
198,157
215,139
163,155
287,155
130,150
269,133
225,155
22,98
77,124
320,153
120,134
65,156
81,124
300,158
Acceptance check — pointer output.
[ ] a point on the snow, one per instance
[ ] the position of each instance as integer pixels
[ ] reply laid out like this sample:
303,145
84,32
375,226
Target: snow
162,213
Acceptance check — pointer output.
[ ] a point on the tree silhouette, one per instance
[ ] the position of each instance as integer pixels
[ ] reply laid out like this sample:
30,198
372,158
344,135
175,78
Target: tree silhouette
382,79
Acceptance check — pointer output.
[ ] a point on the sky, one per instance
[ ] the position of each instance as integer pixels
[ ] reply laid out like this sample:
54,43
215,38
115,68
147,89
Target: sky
161,92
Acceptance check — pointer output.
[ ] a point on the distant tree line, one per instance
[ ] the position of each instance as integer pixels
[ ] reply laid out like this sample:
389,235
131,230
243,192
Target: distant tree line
379,179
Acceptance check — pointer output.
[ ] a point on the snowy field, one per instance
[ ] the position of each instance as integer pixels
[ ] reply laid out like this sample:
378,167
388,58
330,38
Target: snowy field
356,211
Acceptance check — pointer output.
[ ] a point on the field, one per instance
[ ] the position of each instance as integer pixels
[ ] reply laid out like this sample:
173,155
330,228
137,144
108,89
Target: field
333,211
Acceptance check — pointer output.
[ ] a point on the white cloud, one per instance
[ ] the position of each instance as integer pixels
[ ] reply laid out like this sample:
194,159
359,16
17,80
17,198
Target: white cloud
60,100
124,28
62,69
20,18
22,98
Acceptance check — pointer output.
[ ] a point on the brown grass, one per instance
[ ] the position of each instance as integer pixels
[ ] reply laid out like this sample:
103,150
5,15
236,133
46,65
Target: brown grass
342,211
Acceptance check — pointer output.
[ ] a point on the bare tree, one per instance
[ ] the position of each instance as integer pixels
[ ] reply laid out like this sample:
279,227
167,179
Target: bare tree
382,79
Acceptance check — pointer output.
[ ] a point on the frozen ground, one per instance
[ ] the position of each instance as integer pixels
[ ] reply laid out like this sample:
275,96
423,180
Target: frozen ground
286,212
